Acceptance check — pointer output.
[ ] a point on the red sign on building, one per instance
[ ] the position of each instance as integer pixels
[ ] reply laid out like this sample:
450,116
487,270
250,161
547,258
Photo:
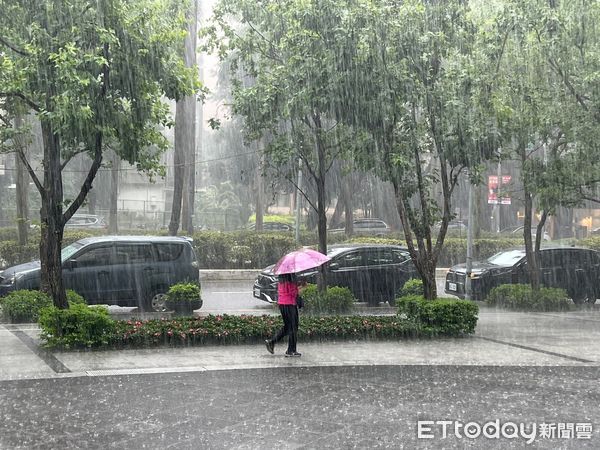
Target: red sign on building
494,188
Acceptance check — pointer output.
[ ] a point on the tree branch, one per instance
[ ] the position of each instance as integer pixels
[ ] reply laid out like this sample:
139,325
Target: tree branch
30,102
13,47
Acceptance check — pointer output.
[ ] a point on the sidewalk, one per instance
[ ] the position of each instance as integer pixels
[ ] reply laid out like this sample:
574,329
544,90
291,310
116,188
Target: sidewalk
502,339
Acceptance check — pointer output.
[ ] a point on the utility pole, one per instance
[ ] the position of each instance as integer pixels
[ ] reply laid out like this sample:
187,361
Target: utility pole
298,201
469,268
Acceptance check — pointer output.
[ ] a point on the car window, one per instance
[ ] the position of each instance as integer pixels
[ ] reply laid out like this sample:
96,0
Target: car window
353,259
400,256
508,258
379,256
95,257
133,253
168,252
551,258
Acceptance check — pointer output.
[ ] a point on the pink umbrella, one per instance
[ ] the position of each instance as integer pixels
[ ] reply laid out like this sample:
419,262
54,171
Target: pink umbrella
299,261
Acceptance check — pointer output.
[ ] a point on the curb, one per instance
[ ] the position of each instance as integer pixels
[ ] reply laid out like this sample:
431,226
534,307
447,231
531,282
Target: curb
251,274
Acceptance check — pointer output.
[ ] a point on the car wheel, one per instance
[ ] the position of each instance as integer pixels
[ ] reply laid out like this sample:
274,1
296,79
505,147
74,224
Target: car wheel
157,302
582,297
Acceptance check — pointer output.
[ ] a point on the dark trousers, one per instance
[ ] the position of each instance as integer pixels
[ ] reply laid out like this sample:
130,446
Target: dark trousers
289,314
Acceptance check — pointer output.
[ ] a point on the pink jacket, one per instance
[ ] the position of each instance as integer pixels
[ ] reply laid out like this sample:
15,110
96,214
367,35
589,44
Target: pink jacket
287,292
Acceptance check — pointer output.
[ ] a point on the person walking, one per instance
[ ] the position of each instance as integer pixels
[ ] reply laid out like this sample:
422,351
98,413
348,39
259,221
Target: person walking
287,298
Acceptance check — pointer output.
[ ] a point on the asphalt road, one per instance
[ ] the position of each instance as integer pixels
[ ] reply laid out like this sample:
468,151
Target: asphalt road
231,296
304,408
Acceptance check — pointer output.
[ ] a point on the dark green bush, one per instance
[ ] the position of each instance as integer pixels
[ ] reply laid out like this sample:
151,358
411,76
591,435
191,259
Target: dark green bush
412,287
448,317
24,305
79,326
520,297
74,298
334,300
11,253
183,292
227,329
242,249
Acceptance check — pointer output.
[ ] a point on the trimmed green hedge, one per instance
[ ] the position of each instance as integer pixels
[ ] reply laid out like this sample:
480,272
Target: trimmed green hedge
24,306
520,297
334,300
78,326
448,317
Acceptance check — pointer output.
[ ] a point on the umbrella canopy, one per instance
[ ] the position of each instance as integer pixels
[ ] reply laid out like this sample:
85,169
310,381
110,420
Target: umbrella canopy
299,261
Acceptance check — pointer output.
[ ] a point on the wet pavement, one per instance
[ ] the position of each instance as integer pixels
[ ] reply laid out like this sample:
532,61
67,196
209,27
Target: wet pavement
540,368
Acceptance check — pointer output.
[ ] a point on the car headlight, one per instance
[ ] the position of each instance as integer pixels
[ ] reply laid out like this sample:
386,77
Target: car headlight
9,280
476,275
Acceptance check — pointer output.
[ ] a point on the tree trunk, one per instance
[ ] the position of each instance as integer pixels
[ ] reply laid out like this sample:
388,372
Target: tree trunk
178,168
51,215
532,263
348,206
113,222
260,200
22,189
185,139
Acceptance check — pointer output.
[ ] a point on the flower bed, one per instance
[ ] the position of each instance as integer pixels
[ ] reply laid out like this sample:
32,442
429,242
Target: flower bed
229,329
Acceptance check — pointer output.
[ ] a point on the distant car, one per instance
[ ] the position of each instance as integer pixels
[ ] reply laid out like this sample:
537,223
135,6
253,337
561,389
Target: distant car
366,227
519,231
119,270
86,221
272,226
576,270
373,273
454,226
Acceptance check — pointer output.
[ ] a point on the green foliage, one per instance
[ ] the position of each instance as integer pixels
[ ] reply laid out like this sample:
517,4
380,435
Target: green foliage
448,317
74,298
24,305
412,287
79,326
335,299
228,329
11,253
183,293
520,297
243,249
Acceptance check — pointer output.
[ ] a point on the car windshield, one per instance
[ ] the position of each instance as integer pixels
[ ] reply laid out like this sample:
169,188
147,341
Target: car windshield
69,250
506,258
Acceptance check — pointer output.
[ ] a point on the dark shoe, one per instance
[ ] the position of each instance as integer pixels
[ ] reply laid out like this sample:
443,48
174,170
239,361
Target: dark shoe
292,354
270,346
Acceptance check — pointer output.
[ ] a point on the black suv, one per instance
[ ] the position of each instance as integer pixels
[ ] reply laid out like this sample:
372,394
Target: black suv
118,270
576,270
373,273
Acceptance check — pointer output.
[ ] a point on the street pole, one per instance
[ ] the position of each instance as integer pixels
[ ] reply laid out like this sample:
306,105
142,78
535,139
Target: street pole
469,268
498,206
298,201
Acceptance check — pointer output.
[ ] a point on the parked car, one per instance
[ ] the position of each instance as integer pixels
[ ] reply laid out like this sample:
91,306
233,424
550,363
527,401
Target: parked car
366,227
272,226
87,221
518,232
119,270
373,273
577,270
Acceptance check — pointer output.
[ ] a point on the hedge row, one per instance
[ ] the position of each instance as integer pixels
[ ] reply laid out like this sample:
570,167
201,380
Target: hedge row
252,250
455,317
520,297
83,327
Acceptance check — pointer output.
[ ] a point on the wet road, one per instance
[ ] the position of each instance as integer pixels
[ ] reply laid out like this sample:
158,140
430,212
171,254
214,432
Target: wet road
304,408
232,296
